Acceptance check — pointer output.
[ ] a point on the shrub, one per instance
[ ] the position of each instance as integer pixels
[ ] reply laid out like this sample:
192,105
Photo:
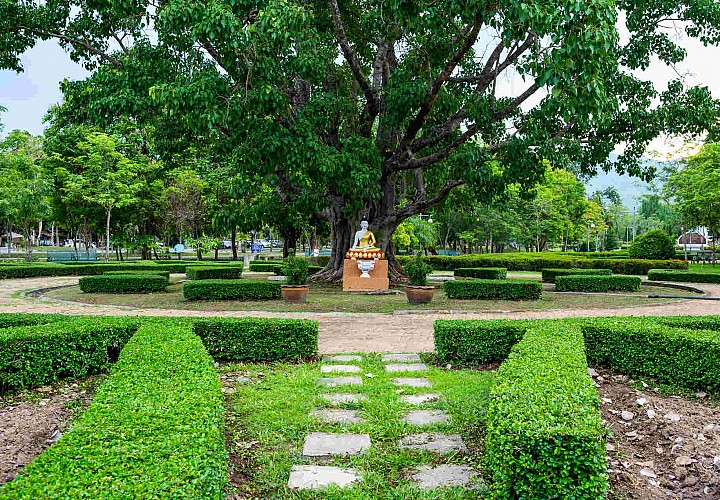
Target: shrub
27,319
467,342
417,270
544,429
154,429
549,275
655,244
230,290
214,272
630,266
648,347
153,272
124,283
683,276
593,283
295,270
49,351
493,289
264,267
258,339
484,273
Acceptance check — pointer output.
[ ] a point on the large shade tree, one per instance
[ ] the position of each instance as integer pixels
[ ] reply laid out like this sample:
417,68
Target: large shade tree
377,109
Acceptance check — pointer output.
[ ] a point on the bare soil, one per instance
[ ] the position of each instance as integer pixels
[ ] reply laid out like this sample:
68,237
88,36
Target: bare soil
32,421
660,447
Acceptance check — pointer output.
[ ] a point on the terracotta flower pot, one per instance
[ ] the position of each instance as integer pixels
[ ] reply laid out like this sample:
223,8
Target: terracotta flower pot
419,294
295,294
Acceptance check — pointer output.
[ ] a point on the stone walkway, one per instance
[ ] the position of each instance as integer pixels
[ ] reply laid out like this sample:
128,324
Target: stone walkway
342,332
323,446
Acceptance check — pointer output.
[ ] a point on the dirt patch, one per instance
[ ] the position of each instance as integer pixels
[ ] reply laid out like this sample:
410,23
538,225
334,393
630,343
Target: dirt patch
660,447
30,422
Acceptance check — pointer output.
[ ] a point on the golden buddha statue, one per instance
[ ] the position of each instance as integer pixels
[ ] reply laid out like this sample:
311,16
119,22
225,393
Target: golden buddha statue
364,239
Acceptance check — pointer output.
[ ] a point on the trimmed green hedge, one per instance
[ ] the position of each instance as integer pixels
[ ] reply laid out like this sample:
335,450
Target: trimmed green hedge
144,272
264,266
549,275
631,266
493,289
652,347
594,283
466,342
154,429
123,283
231,290
545,437
483,273
214,272
683,276
28,319
258,339
45,352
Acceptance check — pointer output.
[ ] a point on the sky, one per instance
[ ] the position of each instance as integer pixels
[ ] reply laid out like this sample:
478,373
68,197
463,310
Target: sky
29,95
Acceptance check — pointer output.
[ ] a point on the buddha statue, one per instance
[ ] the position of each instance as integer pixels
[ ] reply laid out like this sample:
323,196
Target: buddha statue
364,239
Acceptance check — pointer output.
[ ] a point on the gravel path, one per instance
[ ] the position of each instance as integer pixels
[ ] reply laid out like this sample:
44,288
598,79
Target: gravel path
344,332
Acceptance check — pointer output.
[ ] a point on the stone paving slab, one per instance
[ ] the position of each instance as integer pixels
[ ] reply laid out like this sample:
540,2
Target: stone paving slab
428,477
321,444
401,358
343,358
314,477
413,382
337,398
334,416
437,442
426,417
406,367
339,369
418,399
336,381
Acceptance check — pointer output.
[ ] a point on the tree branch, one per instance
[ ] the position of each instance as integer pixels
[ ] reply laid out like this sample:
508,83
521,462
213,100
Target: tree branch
418,206
507,110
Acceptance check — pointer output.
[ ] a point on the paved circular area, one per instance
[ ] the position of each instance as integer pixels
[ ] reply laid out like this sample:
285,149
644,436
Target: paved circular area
343,332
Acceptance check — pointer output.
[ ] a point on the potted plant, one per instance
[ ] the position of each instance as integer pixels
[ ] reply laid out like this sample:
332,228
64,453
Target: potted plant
295,270
417,290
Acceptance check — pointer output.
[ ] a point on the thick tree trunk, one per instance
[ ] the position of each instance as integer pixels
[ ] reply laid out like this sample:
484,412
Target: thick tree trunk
107,235
341,241
233,242
290,238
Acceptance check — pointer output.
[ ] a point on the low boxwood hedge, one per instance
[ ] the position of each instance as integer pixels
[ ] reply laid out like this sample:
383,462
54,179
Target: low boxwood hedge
683,276
549,275
463,342
258,339
214,272
493,289
652,347
264,266
154,429
50,350
594,283
630,266
231,290
28,319
545,437
123,283
483,273
143,272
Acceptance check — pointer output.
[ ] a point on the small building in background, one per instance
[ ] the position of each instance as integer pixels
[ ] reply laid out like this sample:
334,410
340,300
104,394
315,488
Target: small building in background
694,240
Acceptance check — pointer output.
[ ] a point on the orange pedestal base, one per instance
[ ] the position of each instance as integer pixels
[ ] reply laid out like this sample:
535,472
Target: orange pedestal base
378,280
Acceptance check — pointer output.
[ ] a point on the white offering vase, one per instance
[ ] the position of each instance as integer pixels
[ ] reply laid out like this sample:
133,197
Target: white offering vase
365,266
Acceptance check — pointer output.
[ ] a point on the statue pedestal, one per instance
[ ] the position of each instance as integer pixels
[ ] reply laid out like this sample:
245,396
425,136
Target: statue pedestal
378,280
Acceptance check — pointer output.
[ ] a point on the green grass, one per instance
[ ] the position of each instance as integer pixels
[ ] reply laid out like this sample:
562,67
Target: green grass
705,268
269,419
333,299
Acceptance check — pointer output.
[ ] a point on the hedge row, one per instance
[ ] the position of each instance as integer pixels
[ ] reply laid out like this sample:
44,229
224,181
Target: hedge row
493,289
652,347
538,261
143,272
264,267
97,268
154,429
214,272
469,343
29,319
123,283
595,283
683,276
549,275
483,273
545,437
258,339
48,351
231,290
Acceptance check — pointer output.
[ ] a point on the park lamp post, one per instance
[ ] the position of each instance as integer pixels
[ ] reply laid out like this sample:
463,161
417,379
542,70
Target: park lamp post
430,219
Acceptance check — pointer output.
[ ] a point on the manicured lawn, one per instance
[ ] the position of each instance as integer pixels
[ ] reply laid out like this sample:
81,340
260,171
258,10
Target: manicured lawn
333,299
269,418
